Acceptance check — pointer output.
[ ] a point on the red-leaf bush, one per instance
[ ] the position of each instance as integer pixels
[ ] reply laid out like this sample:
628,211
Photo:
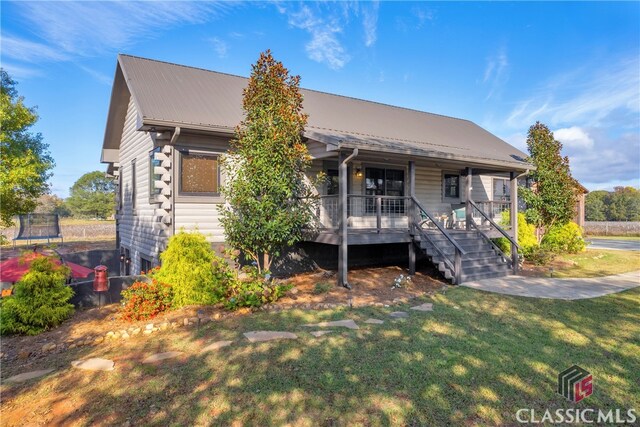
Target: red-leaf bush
145,300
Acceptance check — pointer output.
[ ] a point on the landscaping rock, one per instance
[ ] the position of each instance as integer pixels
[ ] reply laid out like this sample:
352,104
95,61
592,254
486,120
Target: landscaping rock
149,327
349,323
257,336
49,346
28,376
318,334
399,314
125,336
147,331
216,345
98,340
374,321
93,364
24,354
159,357
110,334
427,306
185,321
135,331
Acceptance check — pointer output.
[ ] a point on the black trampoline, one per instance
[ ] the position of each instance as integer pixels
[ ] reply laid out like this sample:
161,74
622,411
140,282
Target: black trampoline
38,227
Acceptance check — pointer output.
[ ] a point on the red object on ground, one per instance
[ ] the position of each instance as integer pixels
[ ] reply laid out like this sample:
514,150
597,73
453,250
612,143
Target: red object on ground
100,281
13,269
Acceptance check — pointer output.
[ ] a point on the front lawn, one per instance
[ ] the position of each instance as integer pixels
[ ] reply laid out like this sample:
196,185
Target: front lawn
590,263
474,360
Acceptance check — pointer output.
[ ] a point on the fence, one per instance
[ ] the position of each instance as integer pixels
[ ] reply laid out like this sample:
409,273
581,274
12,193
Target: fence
612,228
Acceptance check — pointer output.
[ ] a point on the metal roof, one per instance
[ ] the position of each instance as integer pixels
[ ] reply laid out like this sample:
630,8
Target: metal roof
177,95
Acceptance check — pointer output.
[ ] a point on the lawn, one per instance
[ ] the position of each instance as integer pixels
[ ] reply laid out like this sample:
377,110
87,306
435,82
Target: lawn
593,263
475,360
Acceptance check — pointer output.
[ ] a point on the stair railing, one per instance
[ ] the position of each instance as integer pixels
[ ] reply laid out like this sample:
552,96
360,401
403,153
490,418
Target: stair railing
514,245
456,265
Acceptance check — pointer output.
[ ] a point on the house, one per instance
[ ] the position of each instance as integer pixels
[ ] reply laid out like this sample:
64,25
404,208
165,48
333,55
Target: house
431,184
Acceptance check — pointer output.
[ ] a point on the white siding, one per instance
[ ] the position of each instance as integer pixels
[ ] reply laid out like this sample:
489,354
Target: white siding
203,217
137,227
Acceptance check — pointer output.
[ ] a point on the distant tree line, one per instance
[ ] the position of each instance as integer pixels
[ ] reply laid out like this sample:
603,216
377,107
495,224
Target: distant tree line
621,204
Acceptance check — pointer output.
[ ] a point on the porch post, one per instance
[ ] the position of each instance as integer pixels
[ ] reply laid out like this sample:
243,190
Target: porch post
514,219
342,210
411,216
467,196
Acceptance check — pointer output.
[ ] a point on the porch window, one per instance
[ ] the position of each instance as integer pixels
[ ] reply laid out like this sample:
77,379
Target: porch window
333,182
384,182
451,186
199,174
153,176
501,189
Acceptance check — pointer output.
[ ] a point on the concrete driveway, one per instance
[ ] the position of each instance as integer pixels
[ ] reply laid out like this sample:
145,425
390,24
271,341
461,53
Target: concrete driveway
622,245
566,289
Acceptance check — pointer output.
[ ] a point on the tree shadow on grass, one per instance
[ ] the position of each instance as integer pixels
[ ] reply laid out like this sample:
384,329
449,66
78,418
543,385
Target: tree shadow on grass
476,359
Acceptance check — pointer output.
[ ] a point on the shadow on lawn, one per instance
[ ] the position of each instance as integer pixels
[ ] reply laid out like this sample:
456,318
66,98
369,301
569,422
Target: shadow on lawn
475,364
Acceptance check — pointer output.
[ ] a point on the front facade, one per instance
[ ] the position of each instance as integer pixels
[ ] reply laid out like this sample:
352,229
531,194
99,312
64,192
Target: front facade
394,175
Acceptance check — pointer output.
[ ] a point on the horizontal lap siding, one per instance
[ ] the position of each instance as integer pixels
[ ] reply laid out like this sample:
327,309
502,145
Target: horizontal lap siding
429,189
204,217
138,232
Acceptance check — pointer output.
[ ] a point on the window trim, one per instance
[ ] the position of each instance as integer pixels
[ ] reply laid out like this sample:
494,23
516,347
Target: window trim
145,258
152,190
445,197
133,186
195,197
506,197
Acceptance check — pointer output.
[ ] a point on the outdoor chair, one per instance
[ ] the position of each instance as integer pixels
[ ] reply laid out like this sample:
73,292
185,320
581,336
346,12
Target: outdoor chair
458,217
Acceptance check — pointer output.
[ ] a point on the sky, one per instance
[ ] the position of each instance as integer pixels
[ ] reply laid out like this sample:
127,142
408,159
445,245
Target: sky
573,66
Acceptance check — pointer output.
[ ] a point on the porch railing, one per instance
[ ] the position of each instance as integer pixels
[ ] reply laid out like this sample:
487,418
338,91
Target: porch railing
492,208
365,212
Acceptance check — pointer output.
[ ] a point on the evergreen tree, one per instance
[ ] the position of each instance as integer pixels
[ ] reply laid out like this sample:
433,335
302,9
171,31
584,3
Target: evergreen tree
92,196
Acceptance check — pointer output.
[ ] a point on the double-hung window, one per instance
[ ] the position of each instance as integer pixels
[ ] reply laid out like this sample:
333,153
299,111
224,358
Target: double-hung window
451,186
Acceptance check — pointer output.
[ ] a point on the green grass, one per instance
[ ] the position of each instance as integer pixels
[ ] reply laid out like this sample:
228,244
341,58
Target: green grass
596,263
475,360
634,238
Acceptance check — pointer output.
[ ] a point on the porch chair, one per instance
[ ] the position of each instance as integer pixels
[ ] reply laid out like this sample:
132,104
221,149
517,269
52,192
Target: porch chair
458,217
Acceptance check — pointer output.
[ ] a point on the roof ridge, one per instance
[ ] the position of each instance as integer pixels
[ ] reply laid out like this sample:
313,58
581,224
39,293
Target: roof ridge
303,88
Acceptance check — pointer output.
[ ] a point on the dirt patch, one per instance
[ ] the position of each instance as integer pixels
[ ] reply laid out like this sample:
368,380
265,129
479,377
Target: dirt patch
532,270
370,286
65,248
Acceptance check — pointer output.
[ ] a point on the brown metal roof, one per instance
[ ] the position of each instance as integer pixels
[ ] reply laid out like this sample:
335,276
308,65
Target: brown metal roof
178,95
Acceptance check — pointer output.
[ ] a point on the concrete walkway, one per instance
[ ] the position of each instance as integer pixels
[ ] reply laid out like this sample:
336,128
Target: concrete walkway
566,289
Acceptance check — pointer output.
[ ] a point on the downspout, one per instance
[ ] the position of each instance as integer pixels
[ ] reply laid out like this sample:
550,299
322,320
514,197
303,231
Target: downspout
343,254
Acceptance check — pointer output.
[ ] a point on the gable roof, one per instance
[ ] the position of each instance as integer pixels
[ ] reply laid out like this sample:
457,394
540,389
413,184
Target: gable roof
169,95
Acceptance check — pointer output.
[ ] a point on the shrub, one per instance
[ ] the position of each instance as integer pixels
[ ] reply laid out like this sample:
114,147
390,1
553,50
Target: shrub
539,255
196,274
564,238
40,300
322,288
526,235
145,300
253,291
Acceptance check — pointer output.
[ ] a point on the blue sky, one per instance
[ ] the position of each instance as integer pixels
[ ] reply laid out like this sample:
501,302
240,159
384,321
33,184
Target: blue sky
573,66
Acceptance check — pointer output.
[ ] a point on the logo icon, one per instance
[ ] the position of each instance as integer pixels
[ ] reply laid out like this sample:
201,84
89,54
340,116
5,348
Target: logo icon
575,383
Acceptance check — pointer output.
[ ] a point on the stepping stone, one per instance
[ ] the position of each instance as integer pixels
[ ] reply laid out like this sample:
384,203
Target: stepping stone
258,336
28,376
345,323
374,321
318,334
94,364
427,306
216,345
399,314
158,357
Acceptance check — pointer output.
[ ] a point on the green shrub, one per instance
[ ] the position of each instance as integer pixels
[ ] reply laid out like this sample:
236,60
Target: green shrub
565,238
254,290
40,300
196,274
145,300
322,288
526,235
539,255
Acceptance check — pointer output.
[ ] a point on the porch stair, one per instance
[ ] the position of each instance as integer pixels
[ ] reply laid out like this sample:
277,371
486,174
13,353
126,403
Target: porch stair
480,260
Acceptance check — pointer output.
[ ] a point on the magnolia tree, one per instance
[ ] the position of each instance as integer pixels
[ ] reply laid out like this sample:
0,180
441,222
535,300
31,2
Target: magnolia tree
552,199
269,201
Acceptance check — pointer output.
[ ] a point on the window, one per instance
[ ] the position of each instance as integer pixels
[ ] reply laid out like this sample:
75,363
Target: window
199,174
501,189
333,182
133,185
120,200
145,265
384,182
153,176
451,186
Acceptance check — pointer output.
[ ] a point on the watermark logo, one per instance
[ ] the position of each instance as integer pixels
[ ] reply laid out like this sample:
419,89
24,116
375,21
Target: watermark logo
575,384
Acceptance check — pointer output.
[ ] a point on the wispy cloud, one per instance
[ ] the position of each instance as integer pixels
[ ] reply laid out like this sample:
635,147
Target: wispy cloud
219,46
370,23
30,51
324,46
100,77
496,72
583,97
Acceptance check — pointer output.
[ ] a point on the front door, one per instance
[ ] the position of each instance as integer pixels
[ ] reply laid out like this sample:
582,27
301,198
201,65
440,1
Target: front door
385,182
